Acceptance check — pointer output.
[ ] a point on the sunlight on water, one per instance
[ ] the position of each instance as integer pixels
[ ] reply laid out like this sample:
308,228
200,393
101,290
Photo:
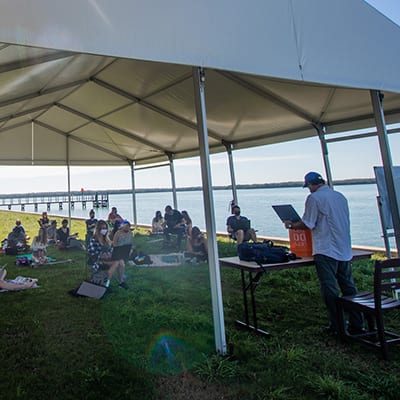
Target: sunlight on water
255,204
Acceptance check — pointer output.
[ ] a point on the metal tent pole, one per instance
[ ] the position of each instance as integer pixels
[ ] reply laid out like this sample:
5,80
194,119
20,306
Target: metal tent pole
69,186
173,183
376,99
325,154
213,262
229,148
134,211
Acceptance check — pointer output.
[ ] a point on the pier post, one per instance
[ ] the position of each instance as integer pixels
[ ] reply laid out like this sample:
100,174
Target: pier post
9,206
60,205
35,206
22,207
48,206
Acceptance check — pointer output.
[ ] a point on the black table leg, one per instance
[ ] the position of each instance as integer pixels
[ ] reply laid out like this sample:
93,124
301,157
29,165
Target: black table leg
246,288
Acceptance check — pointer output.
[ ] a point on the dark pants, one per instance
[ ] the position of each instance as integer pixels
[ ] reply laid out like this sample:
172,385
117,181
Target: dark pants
333,275
179,231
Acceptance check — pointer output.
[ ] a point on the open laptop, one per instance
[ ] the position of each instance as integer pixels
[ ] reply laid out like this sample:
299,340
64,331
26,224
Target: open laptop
121,252
286,212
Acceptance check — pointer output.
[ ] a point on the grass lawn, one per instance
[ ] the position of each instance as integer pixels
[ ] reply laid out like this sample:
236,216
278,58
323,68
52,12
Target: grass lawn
156,341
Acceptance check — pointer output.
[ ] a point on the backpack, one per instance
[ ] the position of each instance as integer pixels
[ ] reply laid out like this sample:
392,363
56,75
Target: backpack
264,253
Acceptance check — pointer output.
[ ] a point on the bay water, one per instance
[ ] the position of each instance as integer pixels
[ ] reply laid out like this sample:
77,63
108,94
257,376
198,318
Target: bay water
255,204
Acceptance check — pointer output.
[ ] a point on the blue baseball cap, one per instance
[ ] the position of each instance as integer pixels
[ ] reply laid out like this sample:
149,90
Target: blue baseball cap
313,178
124,223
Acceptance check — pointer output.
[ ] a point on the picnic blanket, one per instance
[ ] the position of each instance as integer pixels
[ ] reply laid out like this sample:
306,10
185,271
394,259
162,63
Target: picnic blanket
26,259
20,279
165,260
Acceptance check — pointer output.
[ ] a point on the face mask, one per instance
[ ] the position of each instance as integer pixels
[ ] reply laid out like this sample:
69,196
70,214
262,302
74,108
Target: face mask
104,231
237,212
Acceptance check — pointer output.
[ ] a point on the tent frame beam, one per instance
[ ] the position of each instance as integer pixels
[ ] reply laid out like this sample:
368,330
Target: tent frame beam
143,102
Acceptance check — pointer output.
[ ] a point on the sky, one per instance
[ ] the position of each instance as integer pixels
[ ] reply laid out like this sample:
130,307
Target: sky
273,163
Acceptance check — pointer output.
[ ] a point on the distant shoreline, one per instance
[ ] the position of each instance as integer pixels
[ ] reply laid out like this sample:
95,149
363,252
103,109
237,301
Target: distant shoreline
356,181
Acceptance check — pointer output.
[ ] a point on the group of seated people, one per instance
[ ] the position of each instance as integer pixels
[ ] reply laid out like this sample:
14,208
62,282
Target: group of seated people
17,240
61,237
102,236
179,223
48,234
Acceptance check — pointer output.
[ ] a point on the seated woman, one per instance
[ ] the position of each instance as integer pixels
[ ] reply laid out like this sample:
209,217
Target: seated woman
188,222
5,285
52,232
123,238
157,224
100,251
38,247
197,246
124,235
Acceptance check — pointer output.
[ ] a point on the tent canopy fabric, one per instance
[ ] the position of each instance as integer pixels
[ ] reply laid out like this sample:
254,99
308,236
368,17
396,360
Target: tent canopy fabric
108,83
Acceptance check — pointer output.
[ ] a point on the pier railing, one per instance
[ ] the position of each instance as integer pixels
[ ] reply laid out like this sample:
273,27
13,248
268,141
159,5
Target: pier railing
60,199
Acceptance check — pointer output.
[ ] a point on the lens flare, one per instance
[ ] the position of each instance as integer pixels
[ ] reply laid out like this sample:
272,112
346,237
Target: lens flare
169,355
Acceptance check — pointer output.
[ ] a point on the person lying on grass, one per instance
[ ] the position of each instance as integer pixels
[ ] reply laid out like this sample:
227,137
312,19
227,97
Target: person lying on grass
4,285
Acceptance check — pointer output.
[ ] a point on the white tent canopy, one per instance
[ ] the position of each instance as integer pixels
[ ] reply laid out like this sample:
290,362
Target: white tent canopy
100,74
116,83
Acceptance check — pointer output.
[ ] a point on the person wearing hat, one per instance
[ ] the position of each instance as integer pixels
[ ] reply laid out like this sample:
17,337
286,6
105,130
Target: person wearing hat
326,213
124,235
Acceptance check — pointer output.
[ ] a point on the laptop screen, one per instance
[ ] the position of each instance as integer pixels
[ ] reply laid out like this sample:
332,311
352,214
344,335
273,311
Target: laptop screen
286,212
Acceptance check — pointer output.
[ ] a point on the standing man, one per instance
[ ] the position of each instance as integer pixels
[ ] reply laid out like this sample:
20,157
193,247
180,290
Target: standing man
326,213
90,226
239,228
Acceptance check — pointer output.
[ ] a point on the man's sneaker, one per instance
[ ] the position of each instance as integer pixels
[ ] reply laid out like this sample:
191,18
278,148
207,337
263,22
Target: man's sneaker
123,285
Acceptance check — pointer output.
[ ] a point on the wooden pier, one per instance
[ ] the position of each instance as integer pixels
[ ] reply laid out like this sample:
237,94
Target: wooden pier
61,199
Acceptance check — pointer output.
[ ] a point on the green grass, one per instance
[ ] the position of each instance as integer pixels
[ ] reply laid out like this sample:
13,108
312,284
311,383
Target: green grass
156,341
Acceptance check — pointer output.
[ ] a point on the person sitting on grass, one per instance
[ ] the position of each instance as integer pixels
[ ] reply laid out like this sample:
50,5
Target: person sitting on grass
188,222
52,232
174,223
100,251
157,224
197,246
6,285
16,239
66,241
38,247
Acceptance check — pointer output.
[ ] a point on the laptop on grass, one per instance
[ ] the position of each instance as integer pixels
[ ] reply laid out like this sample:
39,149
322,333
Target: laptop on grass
286,212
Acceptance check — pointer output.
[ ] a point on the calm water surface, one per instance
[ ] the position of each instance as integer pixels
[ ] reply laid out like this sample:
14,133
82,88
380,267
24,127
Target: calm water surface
255,204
